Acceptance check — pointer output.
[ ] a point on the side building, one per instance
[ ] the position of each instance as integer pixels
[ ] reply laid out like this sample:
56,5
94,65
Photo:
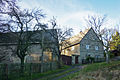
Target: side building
9,44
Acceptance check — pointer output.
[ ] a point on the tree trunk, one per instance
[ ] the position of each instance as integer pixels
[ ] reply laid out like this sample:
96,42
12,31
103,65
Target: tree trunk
22,65
59,60
107,57
42,46
42,61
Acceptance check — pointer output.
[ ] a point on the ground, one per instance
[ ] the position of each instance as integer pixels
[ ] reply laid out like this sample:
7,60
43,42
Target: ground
95,71
71,70
109,73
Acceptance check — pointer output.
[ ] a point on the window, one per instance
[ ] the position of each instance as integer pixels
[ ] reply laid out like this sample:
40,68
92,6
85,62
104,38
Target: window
87,46
72,48
97,56
96,47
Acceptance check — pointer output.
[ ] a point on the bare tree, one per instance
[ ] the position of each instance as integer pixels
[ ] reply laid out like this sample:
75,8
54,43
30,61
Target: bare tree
22,25
60,37
4,9
107,36
96,22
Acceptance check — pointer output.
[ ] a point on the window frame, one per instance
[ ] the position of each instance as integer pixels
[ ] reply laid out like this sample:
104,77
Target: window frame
96,48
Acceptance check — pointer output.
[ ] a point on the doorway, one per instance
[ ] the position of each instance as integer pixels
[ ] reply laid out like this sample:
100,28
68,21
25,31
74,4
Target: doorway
76,59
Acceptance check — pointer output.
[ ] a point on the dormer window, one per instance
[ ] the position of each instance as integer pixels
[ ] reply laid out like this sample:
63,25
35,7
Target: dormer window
96,47
87,46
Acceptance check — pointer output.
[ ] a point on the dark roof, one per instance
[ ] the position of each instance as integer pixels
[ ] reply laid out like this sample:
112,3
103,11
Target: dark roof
7,38
12,37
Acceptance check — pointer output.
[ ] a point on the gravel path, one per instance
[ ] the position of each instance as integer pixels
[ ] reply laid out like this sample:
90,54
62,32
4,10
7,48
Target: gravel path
78,68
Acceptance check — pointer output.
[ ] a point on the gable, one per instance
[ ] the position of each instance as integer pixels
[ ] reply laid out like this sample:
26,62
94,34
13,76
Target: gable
87,36
92,40
90,35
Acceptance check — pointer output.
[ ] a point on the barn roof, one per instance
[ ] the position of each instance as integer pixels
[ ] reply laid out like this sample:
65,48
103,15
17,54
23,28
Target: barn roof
12,37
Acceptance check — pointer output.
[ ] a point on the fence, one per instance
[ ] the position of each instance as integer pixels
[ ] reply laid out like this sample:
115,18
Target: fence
12,71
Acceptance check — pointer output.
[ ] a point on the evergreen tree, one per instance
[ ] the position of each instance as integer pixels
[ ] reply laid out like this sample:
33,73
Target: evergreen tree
115,42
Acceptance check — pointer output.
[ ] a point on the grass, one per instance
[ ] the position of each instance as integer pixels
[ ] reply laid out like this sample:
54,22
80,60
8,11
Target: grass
62,73
64,70
35,76
91,68
50,74
59,74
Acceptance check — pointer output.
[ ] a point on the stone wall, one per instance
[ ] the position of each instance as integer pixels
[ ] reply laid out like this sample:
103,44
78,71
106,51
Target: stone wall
92,40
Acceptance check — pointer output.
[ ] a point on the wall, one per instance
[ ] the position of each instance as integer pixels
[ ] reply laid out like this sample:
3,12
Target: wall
34,52
92,40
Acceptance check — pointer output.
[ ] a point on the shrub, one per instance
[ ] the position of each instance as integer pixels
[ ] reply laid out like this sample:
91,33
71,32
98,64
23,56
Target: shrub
90,59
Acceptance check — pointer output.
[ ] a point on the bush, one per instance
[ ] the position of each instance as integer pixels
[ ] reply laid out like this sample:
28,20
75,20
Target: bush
90,59
111,55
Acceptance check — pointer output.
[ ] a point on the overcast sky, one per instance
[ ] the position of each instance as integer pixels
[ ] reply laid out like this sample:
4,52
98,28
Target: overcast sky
71,13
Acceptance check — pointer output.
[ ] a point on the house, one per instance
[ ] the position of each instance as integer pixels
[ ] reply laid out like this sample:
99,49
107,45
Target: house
8,44
82,45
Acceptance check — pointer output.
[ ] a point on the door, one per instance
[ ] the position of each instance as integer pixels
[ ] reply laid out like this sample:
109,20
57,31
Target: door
76,59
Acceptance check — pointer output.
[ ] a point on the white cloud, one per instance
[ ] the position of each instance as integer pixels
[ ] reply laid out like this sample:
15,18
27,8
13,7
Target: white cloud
76,16
75,19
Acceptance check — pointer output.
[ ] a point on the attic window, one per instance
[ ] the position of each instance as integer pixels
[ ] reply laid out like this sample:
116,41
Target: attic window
87,46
